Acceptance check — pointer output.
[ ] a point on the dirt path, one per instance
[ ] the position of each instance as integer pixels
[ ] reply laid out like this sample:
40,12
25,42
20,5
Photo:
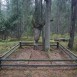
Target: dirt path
36,54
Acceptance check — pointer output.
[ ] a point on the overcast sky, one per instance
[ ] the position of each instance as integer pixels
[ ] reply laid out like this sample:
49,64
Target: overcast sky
3,4
3,1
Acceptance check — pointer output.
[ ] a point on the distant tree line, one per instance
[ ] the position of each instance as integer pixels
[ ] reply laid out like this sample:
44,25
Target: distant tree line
16,18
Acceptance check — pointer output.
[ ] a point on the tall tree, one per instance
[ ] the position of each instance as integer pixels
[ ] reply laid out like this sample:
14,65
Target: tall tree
60,14
0,6
43,6
61,10
26,15
16,18
73,22
2,26
38,22
47,25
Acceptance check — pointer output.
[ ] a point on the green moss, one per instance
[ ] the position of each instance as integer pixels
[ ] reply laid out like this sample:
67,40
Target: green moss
5,46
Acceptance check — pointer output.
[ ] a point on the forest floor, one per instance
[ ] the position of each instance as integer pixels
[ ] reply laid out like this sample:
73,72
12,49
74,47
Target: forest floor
29,53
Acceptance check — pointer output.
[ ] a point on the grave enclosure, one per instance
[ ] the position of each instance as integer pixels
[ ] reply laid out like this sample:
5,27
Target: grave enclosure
72,58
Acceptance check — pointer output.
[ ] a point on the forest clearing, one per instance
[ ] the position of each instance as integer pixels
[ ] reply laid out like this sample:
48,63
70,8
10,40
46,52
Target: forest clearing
38,38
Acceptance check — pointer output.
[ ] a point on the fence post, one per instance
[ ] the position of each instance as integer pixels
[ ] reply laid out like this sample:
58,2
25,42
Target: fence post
0,62
57,44
20,44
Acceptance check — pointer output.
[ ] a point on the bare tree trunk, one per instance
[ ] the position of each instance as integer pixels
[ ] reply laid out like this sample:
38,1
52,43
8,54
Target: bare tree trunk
0,6
0,9
43,29
43,38
47,26
73,20
38,22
